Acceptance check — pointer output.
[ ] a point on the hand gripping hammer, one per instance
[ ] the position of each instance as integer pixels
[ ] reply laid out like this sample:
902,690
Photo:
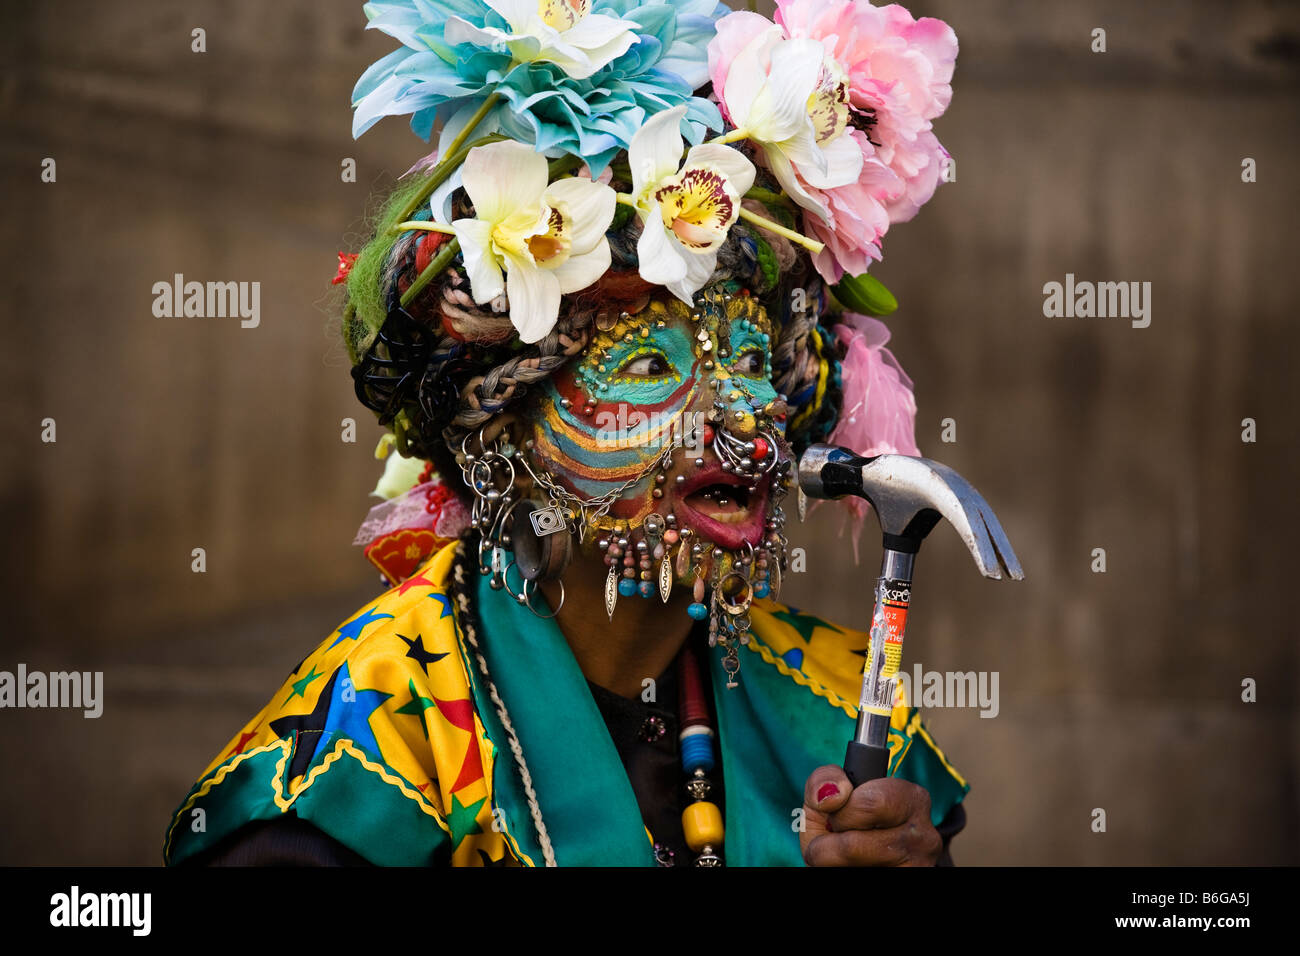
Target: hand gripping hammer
909,496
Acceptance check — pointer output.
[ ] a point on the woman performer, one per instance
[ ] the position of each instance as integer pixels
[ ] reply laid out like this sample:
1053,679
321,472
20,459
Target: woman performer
601,326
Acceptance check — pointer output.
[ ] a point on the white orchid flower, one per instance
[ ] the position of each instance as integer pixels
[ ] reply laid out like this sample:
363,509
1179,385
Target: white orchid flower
685,214
792,99
548,239
563,32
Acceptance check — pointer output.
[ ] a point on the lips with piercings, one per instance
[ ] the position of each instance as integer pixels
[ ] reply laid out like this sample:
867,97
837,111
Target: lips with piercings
752,504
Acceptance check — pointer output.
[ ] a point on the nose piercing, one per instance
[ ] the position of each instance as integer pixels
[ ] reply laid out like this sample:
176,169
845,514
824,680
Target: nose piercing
742,424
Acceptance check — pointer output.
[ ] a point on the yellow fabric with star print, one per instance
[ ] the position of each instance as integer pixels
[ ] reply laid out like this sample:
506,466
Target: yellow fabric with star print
380,738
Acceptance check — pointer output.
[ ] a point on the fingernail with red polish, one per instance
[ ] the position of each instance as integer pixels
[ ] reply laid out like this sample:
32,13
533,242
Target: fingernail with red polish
826,790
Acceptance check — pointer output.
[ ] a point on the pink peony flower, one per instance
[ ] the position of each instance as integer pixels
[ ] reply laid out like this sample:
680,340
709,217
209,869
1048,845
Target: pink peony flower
857,217
900,79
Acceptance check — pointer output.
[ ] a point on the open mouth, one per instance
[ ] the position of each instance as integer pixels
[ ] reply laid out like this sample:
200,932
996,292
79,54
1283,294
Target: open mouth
723,508
725,502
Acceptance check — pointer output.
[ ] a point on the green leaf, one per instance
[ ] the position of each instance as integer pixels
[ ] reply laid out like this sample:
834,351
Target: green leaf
865,294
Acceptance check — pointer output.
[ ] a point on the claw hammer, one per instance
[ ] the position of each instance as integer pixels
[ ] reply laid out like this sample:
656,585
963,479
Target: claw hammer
909,495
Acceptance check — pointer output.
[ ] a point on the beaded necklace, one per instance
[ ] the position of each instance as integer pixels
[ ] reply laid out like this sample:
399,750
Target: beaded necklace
701,820
702,824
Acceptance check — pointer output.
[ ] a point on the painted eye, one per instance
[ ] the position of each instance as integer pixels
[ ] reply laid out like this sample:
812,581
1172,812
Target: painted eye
750,362
646,366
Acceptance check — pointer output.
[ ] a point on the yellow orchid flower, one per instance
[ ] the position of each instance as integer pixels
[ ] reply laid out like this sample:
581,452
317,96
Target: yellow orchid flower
792,99
685,213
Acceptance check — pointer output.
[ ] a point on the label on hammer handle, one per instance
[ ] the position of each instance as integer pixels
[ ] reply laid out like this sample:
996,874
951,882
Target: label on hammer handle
894,598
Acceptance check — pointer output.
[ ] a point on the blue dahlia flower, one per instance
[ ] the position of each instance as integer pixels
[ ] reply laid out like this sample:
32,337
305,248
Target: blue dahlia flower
572,76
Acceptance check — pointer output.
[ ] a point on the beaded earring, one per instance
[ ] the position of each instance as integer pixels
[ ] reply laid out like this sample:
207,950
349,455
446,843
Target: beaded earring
746,437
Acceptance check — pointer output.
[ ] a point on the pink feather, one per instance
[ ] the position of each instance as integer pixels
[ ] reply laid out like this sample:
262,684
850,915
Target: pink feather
878,416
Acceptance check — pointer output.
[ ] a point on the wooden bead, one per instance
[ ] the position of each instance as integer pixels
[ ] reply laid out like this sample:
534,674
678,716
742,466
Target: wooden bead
702,825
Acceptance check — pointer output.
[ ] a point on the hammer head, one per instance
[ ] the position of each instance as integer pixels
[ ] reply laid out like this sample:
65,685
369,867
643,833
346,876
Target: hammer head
909,496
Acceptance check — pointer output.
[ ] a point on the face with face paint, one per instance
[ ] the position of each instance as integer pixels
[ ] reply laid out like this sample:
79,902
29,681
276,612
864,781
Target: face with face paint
671,417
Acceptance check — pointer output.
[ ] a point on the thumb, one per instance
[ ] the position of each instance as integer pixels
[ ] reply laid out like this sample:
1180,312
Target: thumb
826,790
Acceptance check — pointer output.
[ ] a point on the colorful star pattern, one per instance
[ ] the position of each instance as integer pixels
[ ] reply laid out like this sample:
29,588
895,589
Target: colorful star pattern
416,651
416,707
463,819
303,725
445,603
349,716
803,624
460,714
300,686
355,749
244,738
418,579
353,628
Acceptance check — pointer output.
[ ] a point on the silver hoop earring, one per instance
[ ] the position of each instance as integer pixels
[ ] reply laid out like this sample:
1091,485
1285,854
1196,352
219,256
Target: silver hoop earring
482,474
529,602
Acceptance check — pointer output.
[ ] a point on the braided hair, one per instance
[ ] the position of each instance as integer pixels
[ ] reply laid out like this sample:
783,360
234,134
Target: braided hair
442,365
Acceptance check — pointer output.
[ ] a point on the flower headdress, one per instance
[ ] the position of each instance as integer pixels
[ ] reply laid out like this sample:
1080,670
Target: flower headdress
592,150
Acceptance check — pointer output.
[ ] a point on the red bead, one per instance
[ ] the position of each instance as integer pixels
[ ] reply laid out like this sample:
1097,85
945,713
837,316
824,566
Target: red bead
692,705
708,434
760,449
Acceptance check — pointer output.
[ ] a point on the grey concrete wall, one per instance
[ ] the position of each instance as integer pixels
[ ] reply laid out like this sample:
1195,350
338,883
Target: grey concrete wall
1119,691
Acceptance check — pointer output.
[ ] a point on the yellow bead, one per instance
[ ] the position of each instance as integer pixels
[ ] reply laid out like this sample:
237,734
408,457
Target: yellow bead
702,824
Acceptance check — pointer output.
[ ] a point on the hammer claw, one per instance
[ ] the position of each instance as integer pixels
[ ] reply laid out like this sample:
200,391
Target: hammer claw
1006,556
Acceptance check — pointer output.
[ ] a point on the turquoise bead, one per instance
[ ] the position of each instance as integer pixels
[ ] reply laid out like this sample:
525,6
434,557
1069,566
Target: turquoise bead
646,589
698,611
627,587
761,589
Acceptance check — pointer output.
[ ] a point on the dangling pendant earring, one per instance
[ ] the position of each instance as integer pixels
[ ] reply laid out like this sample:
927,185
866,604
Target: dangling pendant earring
734,618
665,579
656,529
611,590
698,609
619,553
671,537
